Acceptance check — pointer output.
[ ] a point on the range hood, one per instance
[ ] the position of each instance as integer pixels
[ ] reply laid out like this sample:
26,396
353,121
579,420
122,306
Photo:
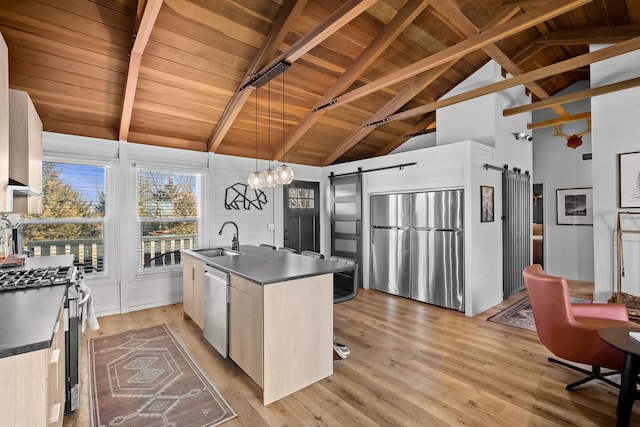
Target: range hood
17,189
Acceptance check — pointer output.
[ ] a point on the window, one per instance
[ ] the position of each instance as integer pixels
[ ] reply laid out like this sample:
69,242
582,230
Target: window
301,198
73,219
168,215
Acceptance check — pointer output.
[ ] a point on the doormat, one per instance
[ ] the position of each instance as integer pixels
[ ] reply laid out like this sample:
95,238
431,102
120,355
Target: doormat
520,315
145,377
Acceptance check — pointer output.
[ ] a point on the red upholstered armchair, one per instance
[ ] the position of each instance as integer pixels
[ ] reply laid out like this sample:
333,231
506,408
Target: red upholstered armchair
570,331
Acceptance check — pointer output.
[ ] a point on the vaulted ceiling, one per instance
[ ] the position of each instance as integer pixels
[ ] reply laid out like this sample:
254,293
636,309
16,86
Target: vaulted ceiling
365,75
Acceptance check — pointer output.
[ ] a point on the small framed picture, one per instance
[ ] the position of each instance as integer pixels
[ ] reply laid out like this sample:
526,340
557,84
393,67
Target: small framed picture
629,180
486,203
574,206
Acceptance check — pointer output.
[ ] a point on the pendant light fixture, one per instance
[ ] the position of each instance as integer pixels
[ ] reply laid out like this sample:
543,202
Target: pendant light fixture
269,178
254,177
284,174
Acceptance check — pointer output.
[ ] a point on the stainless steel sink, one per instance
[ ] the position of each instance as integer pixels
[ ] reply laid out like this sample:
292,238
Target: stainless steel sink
215,252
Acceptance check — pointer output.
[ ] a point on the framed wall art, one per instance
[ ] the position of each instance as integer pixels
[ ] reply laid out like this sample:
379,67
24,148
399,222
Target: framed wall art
629,180
574,206
486,203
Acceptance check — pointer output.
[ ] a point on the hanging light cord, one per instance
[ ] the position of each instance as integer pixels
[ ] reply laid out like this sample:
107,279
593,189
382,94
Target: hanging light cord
256,130
269,124
284,153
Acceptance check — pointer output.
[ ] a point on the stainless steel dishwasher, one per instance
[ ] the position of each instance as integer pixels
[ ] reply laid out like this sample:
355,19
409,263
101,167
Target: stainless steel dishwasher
216,309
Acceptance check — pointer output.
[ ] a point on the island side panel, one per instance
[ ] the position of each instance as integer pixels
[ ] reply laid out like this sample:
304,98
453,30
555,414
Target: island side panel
298,335
246,326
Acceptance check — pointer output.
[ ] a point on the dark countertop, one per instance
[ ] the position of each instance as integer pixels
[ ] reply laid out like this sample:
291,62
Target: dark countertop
265,266
28,319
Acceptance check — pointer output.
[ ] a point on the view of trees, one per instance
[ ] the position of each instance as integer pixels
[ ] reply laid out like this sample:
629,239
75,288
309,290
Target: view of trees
170,196
61,200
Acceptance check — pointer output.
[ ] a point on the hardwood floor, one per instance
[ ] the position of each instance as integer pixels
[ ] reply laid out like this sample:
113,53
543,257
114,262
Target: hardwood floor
411,364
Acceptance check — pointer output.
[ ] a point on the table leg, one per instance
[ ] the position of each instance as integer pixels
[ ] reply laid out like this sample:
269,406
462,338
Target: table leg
627,389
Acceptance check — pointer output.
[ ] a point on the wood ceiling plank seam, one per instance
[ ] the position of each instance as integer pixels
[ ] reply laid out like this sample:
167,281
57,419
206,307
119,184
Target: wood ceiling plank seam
193,99
94,12
380,43
72,90
198,60
184,83
63,76
151,11
201,109
223,23
184,144
45,45
51,31
534,75
64,101
289,13
181,72
575,96
71,22
492,35
416,85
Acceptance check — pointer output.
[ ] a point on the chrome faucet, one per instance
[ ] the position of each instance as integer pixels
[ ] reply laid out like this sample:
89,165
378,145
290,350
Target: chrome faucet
235,242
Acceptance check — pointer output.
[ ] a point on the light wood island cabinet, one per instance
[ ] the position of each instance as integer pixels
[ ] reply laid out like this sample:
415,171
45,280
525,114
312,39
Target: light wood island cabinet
281,334
193,289
33,385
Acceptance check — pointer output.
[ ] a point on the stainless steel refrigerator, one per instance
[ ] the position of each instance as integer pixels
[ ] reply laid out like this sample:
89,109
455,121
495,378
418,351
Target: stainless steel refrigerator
417,246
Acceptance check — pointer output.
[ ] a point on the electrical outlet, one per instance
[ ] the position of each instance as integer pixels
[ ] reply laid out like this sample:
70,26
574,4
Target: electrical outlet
271,227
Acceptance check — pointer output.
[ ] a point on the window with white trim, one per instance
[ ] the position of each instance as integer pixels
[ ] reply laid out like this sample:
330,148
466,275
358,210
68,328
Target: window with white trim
168,215
73,218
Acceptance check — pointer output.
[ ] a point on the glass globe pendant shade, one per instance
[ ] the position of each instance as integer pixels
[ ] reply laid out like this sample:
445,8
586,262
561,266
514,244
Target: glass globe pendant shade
284,174
254,180
268,178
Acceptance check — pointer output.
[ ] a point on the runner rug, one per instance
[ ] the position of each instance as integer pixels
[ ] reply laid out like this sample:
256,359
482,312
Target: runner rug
519,314
145,377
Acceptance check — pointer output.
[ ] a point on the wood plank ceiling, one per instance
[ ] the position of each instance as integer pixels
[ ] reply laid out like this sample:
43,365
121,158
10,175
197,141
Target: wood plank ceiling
168,73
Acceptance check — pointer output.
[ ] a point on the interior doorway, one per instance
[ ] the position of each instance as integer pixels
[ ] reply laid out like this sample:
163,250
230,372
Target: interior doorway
538,224
302,216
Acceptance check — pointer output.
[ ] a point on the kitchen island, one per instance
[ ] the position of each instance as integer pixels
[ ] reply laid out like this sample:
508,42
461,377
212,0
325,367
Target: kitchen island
280,317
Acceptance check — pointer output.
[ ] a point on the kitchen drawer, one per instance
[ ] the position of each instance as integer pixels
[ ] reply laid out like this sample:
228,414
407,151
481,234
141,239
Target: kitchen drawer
245,286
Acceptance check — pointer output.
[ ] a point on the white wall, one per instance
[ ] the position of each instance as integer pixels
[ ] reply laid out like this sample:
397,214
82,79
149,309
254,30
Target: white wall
616,129
451,166
568,249
124,288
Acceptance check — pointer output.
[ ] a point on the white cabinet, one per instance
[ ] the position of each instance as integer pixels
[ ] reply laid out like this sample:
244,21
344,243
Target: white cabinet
193,289
25,153
33,385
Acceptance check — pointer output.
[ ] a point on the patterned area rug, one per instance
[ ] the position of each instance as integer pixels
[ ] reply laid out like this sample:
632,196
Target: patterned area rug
519,314
146,378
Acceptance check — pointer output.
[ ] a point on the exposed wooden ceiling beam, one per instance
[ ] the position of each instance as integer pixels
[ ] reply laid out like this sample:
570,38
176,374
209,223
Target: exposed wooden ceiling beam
342,16
417,85
572,97
469,29
547,11
591,35
151,10
425,123
550,70
559,120
287,16
402,19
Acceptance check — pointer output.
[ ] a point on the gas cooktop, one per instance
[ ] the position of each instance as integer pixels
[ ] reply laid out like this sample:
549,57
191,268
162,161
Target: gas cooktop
36,278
